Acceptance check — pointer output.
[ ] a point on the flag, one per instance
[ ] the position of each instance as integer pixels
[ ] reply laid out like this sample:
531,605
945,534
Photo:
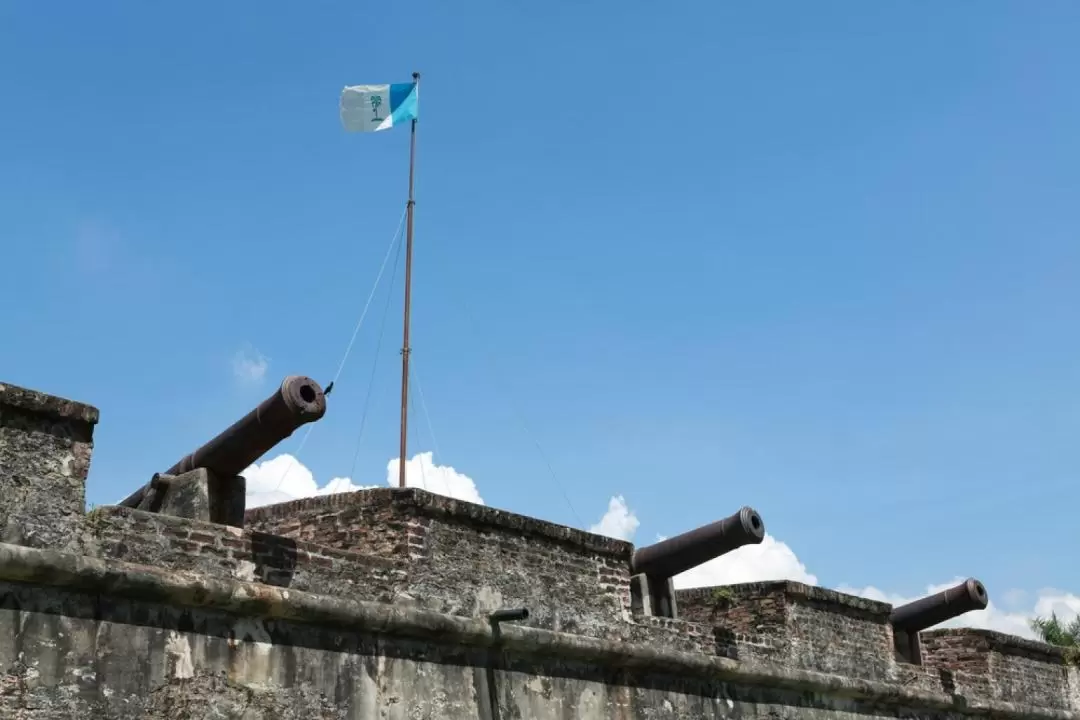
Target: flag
369,108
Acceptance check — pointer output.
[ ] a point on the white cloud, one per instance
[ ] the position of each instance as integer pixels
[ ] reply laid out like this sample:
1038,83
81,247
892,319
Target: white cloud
423,473
1014,598
768,560
249,365
1065,604
285,478
618,522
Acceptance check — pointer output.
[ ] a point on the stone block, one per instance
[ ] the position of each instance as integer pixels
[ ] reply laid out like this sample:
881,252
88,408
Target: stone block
908,647
652,597
45,448
187,495
198,495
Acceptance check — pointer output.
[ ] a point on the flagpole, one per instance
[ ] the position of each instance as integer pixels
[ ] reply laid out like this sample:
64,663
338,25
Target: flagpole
405,350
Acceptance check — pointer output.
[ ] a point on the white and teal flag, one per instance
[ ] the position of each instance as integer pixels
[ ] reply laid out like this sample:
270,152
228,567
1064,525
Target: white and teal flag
369,108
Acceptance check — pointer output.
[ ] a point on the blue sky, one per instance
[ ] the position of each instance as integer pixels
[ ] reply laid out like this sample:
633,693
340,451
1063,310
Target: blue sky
819,260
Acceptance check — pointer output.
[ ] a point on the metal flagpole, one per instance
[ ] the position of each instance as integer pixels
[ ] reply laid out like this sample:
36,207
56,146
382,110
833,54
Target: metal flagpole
408,299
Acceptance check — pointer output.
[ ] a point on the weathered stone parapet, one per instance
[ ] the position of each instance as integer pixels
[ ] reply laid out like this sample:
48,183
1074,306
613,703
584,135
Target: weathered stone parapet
223,551
468,559
47,406
1008,667
254,603
807,627
45,448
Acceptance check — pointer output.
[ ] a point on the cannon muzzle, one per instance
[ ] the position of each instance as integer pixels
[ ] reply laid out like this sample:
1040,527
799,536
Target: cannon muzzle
668,558
939,607
298,401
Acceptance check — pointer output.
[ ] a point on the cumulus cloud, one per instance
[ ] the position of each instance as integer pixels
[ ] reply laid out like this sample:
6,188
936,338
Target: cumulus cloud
618,522
285,478
768,560
422,472
249,366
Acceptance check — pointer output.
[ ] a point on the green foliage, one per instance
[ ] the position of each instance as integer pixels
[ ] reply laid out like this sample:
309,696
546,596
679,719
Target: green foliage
722,595
95,518
1053,631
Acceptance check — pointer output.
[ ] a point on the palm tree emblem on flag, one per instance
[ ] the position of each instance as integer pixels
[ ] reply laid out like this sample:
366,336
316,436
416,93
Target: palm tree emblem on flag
370,108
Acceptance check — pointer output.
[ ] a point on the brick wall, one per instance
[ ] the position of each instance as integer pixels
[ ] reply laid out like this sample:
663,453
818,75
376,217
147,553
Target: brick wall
746,611
468,559
956,651
1006,667
221,551
840,634
675,634
801,626
371,522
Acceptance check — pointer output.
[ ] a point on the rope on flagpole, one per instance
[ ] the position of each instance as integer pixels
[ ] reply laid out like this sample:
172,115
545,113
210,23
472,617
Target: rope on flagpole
374,366
363,314
431,430
348,349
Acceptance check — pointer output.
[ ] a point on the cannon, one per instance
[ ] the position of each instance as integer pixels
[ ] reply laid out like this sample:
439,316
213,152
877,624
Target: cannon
910,619
207,481
653,566
670,557
939,607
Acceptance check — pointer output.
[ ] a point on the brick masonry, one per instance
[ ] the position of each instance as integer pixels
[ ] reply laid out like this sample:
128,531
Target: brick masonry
466,559
121,533
1008,668
806,627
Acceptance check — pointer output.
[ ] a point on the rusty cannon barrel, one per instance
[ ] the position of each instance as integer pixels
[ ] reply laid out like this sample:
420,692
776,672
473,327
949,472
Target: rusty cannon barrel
298,401
668,558
939,607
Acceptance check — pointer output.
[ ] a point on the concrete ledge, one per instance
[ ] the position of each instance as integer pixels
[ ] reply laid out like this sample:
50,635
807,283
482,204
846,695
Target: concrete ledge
40,403
75,572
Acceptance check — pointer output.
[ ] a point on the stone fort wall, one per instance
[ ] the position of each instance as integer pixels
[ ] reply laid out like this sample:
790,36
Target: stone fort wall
375,604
